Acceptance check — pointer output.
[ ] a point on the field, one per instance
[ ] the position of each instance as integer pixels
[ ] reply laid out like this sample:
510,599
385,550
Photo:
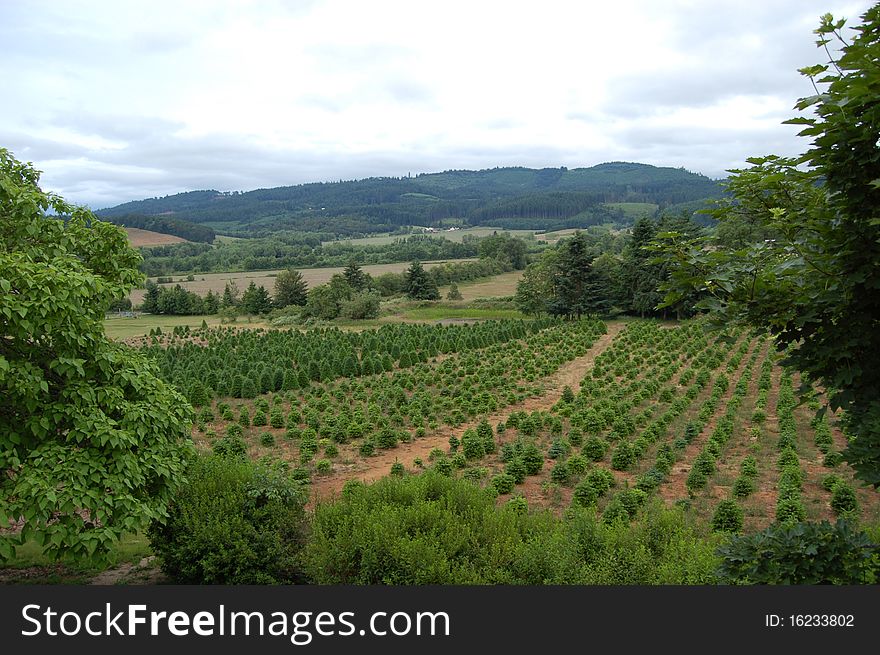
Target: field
497,286
216,282
455,235
611,416
616,413
124,327
139,238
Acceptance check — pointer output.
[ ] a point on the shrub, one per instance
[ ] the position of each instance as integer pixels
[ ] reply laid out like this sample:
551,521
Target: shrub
844,500
517,469
578,464
503,483
623,456
260,418
749,467
585,494
233,522
803,553
472,444
790,510
323,467
830,481
397,469
266,439
443,466
728,517
788,457
743,487
560,472
559,448
276,419
832,459
454,443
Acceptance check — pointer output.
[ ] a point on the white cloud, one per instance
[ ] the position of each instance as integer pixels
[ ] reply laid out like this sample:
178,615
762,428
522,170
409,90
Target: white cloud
118,101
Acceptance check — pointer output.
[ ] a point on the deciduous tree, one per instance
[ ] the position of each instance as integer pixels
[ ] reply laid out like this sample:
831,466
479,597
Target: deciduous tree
92,442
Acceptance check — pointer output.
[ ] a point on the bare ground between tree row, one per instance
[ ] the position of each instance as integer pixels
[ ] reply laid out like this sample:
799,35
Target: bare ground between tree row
372,469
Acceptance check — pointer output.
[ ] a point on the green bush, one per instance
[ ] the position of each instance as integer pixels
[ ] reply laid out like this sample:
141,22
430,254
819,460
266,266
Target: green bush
234,522
267,439
397,469
803,553
728,517
503,483
743,487
844,500
472,445
516,468
623,456
595,448
830,481
790,510
560,472
749,467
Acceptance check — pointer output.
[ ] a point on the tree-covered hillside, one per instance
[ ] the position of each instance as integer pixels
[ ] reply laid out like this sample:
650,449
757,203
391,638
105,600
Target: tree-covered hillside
549,198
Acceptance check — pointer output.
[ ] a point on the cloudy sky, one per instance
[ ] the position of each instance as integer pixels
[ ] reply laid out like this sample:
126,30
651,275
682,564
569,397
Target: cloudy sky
120,101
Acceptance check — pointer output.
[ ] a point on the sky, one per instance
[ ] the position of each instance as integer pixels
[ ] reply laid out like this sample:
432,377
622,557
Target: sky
118,101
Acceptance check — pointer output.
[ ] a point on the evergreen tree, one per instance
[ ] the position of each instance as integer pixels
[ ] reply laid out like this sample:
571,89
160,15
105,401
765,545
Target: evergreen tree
641,277
212,303
290,289
230,295
354,276
256,300
454,293
151,298
578,289
419,285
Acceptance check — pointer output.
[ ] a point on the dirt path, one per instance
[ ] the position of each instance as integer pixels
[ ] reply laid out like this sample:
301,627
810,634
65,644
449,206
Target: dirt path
372,469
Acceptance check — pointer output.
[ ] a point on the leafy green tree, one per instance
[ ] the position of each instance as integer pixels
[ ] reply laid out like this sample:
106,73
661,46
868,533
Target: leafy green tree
256,300
534,291
290,289
92,442
505,248
817,284
419,285
322,303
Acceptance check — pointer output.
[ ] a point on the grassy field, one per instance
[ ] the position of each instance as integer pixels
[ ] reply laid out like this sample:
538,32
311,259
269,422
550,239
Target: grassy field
32,566
216,282
121,327
498,286
458,313
139,238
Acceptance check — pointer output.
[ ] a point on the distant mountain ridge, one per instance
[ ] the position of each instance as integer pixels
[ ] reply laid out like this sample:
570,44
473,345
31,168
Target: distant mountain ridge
546,198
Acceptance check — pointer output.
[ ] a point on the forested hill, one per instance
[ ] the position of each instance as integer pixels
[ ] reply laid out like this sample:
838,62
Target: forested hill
548,198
